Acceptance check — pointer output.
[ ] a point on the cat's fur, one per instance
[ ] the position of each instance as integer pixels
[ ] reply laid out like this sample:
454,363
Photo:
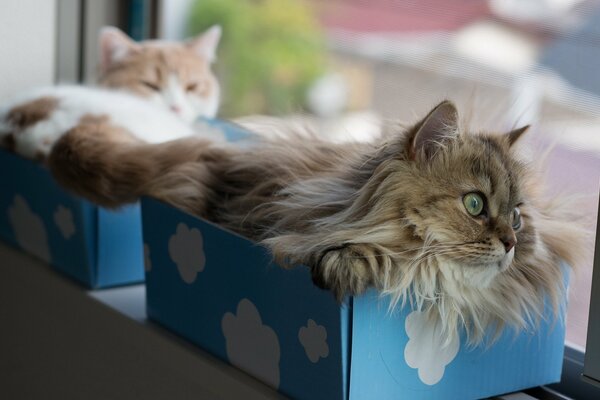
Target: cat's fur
387,215
153,89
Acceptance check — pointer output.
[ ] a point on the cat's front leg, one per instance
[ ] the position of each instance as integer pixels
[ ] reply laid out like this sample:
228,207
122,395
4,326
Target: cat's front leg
28,129
350,269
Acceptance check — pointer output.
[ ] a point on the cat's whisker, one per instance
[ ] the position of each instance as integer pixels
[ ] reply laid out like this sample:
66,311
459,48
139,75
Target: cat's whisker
412,250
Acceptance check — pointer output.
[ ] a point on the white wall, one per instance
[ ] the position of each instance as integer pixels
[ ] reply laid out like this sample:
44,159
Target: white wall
27,44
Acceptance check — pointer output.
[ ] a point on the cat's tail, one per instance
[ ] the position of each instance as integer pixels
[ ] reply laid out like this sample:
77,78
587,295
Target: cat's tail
111,167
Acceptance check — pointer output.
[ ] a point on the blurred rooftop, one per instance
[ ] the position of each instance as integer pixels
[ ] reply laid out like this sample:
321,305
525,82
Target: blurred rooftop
405,16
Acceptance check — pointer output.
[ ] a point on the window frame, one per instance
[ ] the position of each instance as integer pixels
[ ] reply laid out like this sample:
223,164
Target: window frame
571,383
580,377
591,367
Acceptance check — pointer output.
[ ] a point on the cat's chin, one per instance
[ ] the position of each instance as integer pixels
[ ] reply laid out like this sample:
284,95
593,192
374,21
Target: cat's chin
478,276
505,262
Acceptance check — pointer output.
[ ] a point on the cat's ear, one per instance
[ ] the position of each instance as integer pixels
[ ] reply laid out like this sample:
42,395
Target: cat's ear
434,131
515,134
206,44
115,45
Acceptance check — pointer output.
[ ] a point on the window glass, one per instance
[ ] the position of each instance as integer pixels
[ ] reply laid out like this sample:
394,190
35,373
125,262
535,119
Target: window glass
355,63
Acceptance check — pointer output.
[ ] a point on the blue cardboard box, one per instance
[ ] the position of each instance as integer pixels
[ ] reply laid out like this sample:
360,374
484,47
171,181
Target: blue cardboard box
223,293
95,246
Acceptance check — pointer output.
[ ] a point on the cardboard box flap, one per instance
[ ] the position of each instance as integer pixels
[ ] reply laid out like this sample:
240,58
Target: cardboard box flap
120,252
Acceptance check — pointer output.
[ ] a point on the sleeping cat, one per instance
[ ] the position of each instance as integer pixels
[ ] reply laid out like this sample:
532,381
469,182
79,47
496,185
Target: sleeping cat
447,220
154,90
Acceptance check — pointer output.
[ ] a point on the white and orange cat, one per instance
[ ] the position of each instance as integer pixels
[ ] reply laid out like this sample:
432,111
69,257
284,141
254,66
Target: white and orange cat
153,90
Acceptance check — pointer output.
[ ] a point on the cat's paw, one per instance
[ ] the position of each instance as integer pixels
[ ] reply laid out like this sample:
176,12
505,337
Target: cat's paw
348,270
29,129
33,145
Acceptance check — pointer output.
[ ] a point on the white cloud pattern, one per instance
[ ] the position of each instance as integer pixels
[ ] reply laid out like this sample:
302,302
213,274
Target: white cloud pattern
186,249
426,349
252,346
314,340
29,229
63,218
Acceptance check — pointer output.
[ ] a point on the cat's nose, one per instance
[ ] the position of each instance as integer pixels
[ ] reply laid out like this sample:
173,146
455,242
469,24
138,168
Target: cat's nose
509,241
176,109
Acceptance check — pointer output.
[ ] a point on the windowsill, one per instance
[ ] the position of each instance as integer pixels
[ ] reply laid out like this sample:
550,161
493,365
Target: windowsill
59,341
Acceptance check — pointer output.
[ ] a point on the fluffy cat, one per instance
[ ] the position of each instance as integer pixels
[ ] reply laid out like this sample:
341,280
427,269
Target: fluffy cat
154,90
447,220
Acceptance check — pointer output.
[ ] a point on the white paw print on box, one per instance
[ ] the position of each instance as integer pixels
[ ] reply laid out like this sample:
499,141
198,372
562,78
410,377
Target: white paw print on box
426,349
63,218
252,346
313,338
186,249
29,229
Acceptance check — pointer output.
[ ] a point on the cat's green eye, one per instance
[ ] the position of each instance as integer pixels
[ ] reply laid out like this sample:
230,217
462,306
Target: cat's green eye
473,203
516,218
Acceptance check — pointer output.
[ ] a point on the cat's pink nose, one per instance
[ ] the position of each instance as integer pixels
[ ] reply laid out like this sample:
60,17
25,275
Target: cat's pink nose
176,109
509,242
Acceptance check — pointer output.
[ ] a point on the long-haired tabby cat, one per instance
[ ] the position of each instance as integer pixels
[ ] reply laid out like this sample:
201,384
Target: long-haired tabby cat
434,215
153,89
